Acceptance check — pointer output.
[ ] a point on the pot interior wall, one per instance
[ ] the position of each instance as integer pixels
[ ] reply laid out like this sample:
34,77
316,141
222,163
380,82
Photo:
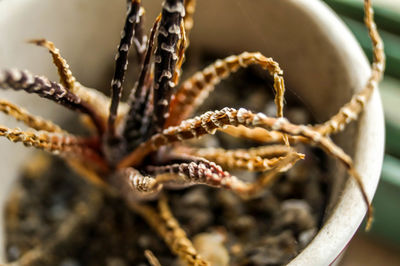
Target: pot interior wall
87,33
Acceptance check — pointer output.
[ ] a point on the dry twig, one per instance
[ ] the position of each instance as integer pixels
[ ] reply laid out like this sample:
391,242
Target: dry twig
169,229
32,121
152,259
350,111
66,77
255,159
196,89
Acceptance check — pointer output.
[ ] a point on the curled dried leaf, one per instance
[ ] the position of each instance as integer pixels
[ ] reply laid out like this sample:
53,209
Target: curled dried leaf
196,89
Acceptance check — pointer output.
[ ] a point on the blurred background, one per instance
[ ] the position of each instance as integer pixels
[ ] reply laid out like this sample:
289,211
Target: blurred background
382,244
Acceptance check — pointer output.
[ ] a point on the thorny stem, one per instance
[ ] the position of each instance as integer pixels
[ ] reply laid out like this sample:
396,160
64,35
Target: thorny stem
210,122
350,111
177,240
191,171
57,143
32,121
121,62
181,56
151,258
250,190
69,82
54,142
24,80
170,231
133,186
135,126
248,159
139,38
194,171
263,136
66,77
196,89
166,58
269,151
200,171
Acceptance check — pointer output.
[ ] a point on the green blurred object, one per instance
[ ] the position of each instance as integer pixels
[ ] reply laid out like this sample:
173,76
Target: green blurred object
388,22
387,19
391,41
387,198
387,201
390,92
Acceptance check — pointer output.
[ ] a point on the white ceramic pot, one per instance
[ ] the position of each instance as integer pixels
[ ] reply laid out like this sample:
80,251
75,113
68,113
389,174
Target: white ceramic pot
322,62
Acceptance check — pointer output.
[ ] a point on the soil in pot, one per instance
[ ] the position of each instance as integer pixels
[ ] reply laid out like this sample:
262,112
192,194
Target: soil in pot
54,217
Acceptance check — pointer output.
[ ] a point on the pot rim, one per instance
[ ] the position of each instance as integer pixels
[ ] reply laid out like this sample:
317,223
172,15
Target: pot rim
329,244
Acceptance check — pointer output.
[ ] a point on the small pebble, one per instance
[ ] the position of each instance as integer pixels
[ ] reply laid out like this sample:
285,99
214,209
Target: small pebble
244,224
297,115
13,252
231,203
270,109
273,250
305,237
295,214
115,262
69,262
196,198
211,247
144,241
58,212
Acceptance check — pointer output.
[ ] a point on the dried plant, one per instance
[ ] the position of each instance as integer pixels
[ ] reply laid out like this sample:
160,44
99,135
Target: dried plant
136,148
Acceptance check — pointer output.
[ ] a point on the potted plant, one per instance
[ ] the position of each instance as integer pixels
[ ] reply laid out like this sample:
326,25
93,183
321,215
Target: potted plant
316,51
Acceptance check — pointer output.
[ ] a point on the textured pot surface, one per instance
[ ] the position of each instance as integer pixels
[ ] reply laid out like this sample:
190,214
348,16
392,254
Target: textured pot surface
321,59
